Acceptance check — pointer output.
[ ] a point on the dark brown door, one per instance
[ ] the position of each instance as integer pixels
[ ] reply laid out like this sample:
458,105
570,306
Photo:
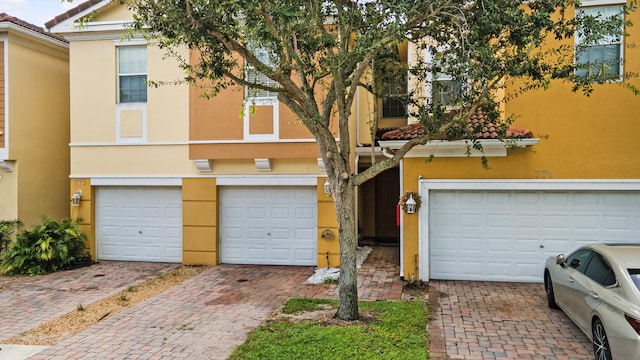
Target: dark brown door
387,194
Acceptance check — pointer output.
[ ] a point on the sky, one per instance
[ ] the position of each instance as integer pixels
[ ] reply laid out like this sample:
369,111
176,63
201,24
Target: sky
36,12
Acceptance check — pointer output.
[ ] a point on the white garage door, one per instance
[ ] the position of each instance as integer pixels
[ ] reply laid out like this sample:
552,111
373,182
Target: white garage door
507,235
268,225
139,223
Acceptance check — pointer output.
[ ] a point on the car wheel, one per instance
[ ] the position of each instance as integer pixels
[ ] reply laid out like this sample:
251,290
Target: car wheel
600,342
548,287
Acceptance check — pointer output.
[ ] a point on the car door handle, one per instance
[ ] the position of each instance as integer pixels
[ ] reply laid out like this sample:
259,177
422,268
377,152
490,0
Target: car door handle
594,295
570,279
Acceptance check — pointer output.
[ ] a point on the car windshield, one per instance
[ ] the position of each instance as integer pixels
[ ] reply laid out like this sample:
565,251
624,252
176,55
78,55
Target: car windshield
635,276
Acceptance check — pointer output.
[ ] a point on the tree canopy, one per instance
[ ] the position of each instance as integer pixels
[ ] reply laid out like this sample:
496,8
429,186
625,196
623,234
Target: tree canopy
317,53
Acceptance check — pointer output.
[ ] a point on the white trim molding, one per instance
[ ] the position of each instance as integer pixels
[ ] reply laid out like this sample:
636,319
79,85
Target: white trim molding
267,180
459,148
136,181
142,108
425,186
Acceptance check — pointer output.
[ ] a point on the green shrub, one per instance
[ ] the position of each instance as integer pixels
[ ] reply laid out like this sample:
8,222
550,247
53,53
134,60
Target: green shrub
48,247
7,227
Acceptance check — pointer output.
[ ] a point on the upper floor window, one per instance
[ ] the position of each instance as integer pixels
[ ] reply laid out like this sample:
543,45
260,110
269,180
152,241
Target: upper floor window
255,76
393,103
132,74
445,90
599,58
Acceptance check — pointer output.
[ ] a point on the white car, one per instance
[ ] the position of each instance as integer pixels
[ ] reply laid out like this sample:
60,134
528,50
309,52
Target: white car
598,287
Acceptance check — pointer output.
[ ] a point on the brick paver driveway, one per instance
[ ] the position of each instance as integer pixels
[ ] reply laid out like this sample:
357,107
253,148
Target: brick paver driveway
203,318
26,302
494,320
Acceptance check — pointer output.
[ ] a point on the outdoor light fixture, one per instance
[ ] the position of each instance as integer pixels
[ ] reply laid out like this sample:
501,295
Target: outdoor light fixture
327,188
75,198
411,205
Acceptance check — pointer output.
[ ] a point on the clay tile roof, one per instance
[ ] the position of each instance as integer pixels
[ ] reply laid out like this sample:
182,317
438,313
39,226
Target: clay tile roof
4,17
477,122
71,12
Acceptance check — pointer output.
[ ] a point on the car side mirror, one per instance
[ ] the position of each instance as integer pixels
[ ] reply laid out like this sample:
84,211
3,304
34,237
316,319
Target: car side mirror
560,260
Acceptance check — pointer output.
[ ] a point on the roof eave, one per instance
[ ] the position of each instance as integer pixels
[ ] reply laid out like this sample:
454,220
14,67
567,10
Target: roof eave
459,148
67,22
11,27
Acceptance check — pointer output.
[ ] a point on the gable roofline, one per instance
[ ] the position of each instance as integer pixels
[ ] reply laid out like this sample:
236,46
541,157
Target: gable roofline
66,22
12,23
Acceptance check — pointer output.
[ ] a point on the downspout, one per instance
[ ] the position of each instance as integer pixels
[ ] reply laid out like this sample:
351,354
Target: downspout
401,166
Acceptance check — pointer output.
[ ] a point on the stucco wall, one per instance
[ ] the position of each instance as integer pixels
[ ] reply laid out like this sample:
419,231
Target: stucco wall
38,117
94,147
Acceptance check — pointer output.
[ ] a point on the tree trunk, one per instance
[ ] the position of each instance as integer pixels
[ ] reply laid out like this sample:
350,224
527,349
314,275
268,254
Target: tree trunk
348,291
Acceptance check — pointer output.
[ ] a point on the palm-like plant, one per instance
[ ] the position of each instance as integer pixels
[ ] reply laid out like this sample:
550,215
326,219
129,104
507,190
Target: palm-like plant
48,247
7,227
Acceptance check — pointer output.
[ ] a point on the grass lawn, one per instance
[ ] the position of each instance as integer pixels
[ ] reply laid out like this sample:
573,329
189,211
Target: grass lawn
388,330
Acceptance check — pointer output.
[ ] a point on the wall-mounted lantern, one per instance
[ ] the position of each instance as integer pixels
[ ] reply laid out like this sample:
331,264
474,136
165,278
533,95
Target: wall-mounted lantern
327,235
75,198
410,202
411,205
327,188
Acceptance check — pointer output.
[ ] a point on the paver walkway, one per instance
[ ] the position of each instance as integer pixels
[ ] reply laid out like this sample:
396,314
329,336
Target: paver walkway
494,320
205,317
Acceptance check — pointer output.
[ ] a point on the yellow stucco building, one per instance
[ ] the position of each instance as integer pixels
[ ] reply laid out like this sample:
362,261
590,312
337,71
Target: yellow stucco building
167,175
34,123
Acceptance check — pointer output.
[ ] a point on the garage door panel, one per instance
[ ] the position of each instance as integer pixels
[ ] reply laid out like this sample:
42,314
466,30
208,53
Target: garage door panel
257,213
494,269
305,213
303,257
139,224
494,246
281,254
305,235
278,213
525,271
556,221
257,255
520,229
498,221
617,223
471,221
472,267
281,233
282,226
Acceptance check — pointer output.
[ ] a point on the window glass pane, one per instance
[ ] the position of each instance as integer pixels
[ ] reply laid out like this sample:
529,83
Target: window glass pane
393,108
602,58
132,78
600,271
635,276
578,260
259,78
393,92
446,91
133,88
132,60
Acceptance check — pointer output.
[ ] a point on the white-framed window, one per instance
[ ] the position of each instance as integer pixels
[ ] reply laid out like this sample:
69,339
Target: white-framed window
394,93
254,76
132,74
261,107
445,90
600,59
441,87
